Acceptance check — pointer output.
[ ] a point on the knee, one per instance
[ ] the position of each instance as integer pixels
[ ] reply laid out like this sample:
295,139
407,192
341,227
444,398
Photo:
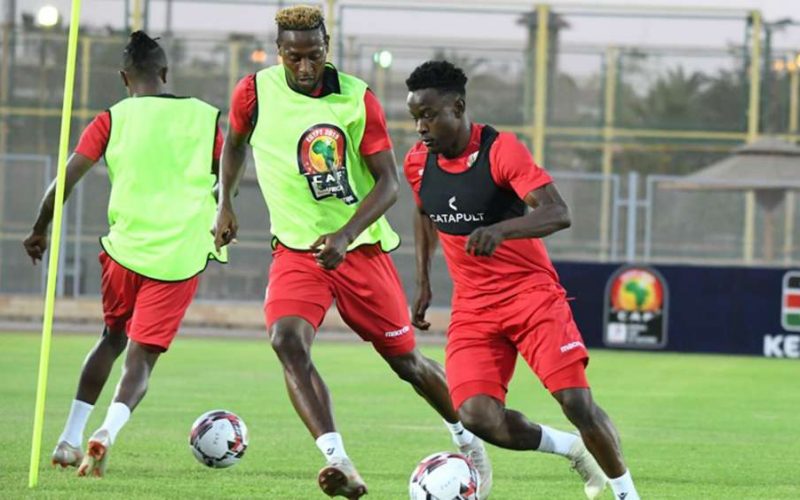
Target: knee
409,367
287,343
579,409
479,415
117,339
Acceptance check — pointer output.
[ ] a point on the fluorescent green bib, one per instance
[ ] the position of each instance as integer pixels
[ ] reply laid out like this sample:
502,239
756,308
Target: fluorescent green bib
308,163
161,208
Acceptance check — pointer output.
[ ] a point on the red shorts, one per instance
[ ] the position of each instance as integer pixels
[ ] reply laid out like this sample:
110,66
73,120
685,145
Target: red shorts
148,310
366,288
482,345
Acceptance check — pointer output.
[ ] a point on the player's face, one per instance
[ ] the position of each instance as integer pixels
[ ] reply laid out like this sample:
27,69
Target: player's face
303,54
438,118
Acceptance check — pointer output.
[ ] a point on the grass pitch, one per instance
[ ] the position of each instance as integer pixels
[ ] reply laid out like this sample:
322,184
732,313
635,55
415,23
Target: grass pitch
693,427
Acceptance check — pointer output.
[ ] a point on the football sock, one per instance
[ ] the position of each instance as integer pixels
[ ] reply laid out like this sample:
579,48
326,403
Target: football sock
623,487
117,416
331,445
76,423
461,436
555,441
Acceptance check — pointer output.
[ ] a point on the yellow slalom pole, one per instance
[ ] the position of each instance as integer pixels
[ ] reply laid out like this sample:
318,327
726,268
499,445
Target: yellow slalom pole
55,242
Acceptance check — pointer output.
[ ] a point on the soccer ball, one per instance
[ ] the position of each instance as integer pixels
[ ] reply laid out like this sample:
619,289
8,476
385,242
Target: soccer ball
218,439
444,476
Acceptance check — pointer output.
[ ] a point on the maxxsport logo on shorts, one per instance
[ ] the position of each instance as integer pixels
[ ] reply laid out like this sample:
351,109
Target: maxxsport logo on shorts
322,159
572,345
397,333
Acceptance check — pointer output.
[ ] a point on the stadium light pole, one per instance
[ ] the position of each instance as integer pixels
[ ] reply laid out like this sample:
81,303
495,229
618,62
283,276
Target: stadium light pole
540,89
753,119
55,238
789,202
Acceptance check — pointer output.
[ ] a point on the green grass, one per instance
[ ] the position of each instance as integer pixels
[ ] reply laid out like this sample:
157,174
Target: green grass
693,427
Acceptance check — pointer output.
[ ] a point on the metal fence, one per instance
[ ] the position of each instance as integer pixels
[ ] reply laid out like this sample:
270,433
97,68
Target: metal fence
608,115
244,278
708,223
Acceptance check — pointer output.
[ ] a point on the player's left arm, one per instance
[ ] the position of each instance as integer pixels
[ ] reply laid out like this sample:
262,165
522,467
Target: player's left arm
549,214
376,149
513,168
382,196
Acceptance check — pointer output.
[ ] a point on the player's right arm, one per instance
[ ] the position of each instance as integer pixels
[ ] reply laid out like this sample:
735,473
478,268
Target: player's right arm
425,242
233,155
36,242
91,147
425,238
234,151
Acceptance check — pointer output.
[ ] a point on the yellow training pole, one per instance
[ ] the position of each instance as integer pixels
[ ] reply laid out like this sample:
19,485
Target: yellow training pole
55,242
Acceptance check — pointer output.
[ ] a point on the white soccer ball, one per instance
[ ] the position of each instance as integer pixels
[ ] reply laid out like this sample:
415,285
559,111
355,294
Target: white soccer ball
444,476
218,439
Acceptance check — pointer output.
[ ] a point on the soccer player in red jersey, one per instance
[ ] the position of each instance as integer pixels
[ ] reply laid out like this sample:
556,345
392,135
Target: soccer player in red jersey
162,154
473,187
326,167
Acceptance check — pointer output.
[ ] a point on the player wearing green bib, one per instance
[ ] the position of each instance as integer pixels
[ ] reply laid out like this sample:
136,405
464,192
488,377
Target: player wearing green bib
162,154
326,168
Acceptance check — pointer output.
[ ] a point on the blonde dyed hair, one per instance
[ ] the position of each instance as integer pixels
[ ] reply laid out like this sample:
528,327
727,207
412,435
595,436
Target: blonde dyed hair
300,18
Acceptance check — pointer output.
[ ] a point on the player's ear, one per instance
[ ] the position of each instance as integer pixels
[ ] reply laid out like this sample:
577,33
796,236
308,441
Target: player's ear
163,74
124,77
459,106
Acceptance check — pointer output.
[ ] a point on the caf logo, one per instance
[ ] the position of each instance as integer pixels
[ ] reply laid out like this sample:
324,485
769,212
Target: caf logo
636,306
637,289
322,159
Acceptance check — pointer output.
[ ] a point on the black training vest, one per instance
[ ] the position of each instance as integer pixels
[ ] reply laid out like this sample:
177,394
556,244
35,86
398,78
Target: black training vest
460,203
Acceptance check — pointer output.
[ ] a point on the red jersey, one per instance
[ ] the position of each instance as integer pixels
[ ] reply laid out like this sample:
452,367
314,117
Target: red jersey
516,264
94,138
244,105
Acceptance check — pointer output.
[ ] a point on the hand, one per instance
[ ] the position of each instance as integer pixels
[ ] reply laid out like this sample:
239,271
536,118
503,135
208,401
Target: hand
35,245
422,301
484,241
225,227
334,247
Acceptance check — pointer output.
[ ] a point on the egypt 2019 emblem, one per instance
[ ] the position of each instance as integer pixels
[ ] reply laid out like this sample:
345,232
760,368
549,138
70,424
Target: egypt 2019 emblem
322,159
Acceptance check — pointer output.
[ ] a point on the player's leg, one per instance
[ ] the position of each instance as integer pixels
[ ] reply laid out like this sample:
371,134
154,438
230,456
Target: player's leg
600,437
291,338
297,299
480,363
427,378
371,300
546,336
118,291
98,363
158,311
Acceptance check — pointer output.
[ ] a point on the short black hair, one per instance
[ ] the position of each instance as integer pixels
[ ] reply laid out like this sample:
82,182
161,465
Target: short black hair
143,55
441,75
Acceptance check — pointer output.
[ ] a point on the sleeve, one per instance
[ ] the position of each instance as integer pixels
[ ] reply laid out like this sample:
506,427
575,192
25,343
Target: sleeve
513,166
376,135
94,138
218,140
413,168
243,105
